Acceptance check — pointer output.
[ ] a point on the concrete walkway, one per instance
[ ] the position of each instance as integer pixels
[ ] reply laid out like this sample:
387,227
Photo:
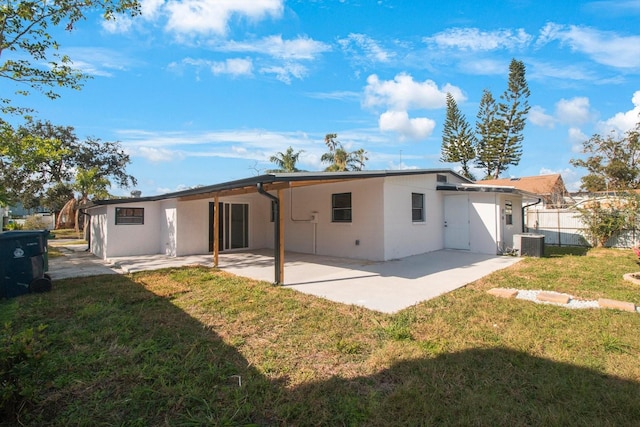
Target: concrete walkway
383,286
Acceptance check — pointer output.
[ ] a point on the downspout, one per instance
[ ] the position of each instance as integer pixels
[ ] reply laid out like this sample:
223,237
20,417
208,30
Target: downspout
525,207
276,231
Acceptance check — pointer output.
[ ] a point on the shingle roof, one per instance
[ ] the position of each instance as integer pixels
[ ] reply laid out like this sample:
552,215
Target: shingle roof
541,184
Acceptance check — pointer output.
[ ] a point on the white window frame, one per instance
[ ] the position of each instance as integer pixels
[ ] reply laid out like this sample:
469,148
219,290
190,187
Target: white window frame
415,209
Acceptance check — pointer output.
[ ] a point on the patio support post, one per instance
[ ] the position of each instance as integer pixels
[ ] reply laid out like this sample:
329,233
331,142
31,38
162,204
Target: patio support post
278,243
216,230
281,239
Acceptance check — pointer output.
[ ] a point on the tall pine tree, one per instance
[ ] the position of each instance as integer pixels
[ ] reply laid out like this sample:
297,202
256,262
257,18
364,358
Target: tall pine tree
458,140
500,125
488,130
512,111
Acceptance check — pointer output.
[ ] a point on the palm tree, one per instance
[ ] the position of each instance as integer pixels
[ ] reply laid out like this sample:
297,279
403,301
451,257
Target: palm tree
286,162
341,160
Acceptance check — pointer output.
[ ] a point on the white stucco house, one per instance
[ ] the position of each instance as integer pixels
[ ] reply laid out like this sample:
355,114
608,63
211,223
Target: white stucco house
371,215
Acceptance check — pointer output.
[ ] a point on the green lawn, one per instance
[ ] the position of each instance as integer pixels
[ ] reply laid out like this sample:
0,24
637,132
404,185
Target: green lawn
196,347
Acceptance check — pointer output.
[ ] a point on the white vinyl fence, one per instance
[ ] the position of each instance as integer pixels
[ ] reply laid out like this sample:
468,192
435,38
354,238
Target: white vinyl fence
563,227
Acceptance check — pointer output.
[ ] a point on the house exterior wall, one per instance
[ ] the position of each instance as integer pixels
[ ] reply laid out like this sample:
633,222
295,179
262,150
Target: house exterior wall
111,240
381,227
168,227
98,232
402,236
484,223
362,238
489,232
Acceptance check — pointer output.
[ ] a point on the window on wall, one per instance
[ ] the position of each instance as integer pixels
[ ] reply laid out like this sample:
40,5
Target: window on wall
129,216
441,178
341,207
273,211
417,207
508,212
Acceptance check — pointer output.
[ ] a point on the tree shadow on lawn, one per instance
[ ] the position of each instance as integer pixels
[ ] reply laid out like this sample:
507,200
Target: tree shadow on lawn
122,355
476,387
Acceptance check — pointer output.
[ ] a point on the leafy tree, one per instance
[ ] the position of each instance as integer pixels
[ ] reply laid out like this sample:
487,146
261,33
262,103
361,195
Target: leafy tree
458,140
286,162
612,162
29,52
501,125
38,156
604,219
56,196
341,160
488,129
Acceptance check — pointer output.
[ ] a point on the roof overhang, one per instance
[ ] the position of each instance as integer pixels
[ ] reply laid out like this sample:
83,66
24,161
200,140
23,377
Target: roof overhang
273,182
479,188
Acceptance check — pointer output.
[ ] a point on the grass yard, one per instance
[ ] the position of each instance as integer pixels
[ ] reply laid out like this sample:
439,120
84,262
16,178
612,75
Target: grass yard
196,347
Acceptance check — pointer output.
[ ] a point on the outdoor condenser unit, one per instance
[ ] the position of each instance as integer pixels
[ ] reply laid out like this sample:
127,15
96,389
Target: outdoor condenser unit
529,244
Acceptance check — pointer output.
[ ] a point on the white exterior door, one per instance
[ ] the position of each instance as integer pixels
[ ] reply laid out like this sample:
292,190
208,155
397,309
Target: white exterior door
456,222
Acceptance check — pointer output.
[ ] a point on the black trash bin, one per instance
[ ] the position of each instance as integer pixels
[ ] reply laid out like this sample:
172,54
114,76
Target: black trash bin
23,263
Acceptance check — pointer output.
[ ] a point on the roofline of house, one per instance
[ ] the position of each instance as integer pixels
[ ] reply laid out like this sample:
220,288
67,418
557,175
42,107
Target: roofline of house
273,178
487,189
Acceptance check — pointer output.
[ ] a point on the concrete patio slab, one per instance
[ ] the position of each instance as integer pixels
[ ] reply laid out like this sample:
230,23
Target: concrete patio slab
382,286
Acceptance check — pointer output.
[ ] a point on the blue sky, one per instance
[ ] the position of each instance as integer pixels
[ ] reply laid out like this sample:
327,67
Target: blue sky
205,91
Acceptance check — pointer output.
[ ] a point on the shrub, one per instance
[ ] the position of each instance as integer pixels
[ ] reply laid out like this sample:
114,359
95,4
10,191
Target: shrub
35,222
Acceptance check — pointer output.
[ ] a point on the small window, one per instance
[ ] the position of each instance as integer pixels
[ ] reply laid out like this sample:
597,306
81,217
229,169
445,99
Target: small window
129,216
417,207
341,207
508,212
441,178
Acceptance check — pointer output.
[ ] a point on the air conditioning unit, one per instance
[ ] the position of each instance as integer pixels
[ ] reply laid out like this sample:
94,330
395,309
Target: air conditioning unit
529,244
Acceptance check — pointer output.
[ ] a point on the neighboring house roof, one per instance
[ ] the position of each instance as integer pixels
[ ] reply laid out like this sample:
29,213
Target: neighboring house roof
550,187
275,181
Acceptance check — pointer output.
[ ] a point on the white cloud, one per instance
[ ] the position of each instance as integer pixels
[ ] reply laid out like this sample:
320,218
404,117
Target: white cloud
285,73
399,121
99,61
158,155
623,121
604,47
474,39
544,71
484,67
573,111
233,66
576,138
119,25
275,46
212,16
403,93
355,43
539,117
150,9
